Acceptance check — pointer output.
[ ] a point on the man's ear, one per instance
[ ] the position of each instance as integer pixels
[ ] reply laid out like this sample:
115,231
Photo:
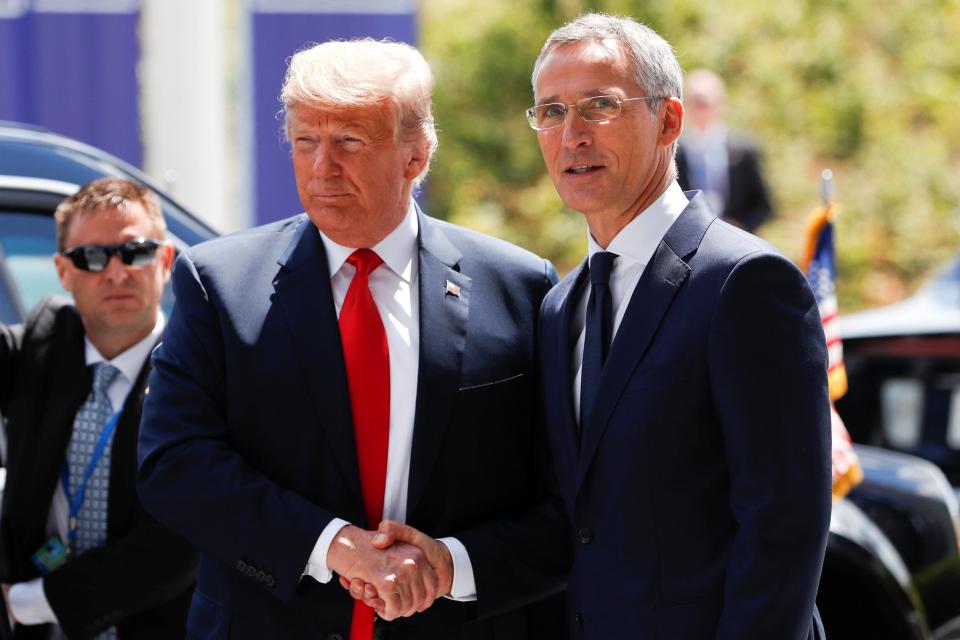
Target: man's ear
166,256
64,271
671,123
419,157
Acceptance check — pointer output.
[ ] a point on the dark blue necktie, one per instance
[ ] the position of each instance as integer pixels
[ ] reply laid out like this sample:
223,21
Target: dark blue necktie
599,326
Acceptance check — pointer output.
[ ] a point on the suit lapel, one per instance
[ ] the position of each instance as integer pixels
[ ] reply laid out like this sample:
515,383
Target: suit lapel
568,293
70,384
123,459
305,298
651,299
443,338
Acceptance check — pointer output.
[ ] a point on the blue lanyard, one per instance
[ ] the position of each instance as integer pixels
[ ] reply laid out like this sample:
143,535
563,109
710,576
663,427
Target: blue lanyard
76,501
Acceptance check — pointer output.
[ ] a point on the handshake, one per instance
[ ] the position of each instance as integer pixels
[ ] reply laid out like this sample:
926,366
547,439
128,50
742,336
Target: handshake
396,570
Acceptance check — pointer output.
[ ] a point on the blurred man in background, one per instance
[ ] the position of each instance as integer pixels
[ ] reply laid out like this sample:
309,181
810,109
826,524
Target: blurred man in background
724,165
684,370
78,550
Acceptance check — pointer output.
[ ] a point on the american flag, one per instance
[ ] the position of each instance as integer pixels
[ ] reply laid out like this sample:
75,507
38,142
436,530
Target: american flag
821,273
820,267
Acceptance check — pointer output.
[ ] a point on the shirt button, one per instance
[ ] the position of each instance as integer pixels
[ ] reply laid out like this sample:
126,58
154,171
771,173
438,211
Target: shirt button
585,535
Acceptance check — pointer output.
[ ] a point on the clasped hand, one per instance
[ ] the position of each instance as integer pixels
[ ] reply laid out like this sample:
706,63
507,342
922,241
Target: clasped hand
397,570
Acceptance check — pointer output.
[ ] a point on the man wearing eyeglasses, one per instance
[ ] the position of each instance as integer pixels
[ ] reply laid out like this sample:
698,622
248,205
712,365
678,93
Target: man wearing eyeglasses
694,455
80,556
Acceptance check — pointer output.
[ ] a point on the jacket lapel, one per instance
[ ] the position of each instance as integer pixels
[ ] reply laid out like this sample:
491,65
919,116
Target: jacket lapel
568,294
652,297
443,338
305,297
70,384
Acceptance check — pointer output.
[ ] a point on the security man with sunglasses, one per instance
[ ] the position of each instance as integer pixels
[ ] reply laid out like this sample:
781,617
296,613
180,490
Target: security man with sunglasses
80,557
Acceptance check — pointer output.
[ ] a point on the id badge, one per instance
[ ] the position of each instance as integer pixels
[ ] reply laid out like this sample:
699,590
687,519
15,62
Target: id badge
50,556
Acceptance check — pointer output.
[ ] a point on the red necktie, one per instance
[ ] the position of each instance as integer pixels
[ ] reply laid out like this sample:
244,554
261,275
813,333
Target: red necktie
368,376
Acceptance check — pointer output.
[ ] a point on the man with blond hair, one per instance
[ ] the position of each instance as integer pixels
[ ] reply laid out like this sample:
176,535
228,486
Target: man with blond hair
352,391
79,552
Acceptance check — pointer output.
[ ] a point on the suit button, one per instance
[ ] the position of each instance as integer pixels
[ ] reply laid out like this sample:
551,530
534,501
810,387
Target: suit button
241,566
334,636
270,582
586,535
578,618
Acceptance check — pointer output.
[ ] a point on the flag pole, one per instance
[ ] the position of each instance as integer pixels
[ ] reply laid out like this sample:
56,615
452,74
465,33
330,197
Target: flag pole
826,187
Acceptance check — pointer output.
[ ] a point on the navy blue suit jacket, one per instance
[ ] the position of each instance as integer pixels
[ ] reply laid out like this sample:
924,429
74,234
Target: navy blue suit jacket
247,446
699,492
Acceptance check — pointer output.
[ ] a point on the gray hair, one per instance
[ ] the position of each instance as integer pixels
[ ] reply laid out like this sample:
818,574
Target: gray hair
361,72
651,58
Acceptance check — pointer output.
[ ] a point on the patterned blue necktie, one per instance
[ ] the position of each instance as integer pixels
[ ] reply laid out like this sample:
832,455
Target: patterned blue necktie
599,327
88,424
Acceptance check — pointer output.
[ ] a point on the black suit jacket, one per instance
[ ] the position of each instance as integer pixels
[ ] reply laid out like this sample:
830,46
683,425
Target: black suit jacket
141,580
247,444
748,203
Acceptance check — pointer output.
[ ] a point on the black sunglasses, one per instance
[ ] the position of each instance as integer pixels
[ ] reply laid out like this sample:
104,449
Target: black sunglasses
95,257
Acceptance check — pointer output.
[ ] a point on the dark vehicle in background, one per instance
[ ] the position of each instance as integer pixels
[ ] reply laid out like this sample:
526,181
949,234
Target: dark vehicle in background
903,367
892,569
38,169
891,540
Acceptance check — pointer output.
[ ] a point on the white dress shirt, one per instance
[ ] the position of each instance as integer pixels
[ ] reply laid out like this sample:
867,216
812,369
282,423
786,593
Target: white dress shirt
28,603
634,245
395,291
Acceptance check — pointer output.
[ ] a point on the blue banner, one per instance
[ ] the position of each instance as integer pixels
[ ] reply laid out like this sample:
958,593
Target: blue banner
70,66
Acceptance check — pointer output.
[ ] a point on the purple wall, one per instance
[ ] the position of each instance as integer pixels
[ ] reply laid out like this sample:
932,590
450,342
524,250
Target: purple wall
74,73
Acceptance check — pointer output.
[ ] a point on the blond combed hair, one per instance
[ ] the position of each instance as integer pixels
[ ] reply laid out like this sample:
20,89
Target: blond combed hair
362,72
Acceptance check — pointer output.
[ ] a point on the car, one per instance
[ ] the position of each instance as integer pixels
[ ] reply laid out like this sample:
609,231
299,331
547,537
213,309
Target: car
892,568
903,369
38,169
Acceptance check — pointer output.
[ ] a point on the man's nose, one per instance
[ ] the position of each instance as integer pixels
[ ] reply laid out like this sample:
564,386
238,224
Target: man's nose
325,162
115,270
577,132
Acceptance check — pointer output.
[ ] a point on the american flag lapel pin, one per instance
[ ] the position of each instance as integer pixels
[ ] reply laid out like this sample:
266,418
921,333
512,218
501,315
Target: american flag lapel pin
452,289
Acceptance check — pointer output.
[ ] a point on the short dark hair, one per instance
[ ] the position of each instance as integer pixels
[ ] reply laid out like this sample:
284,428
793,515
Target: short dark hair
107,193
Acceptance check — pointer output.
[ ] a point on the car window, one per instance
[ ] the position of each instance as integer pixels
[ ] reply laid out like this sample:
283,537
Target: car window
28,243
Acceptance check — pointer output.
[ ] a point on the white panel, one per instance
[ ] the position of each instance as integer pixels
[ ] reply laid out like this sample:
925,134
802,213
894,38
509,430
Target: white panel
86,6
902,410
953,426
12,8
194,118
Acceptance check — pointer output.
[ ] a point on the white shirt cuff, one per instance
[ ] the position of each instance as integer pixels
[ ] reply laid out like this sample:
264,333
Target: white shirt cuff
317,564
28,603
464,587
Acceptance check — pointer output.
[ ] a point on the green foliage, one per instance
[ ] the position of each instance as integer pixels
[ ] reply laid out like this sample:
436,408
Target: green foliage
869,90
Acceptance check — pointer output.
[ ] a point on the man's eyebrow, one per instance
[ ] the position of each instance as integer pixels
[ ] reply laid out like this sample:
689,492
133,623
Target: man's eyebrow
585,93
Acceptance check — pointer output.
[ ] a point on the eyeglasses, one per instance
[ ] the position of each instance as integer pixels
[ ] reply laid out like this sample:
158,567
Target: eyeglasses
95,257
595,109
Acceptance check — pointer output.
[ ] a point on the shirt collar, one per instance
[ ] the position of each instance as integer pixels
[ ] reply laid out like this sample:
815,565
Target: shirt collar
130,362
639,239
398,250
